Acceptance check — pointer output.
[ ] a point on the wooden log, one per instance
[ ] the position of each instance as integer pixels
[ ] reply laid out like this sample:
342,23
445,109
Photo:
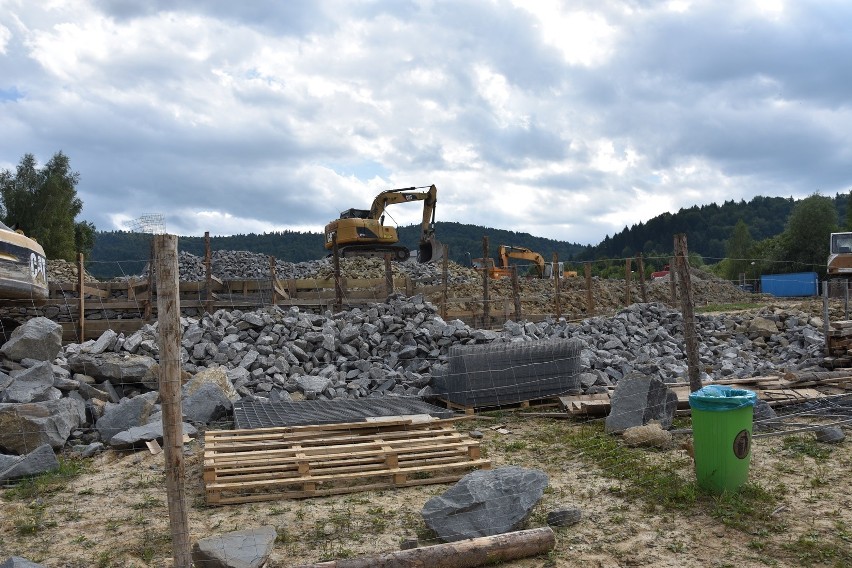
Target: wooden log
81,301
690,331
445,280
486,307
470,553
388,275
556,285
168,317
628,269
590,299
516,293
643,289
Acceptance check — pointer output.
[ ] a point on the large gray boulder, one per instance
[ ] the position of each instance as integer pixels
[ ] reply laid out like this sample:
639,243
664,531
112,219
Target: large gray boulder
485,503
25,427
31,385
40,460
216,375
38,338
119,368
637,400
19,562
239,549
138,435
125,415
205,404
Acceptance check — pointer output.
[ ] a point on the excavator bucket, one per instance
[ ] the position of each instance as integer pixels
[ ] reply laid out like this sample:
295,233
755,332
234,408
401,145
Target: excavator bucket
431,250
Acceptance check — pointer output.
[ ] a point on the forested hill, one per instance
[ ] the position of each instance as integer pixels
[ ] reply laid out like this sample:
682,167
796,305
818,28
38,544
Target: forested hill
118,253
708,227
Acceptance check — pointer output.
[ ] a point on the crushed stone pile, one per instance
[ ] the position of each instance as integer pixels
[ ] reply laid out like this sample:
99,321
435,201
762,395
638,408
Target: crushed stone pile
464,283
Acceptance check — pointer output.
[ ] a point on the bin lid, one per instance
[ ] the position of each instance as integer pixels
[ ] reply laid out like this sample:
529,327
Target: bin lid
719,398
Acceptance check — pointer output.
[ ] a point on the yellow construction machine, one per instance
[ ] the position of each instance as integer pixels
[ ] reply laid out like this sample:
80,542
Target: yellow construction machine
362,232
542,269
840,255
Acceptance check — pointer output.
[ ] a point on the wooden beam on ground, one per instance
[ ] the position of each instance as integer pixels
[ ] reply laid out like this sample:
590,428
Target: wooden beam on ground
470,553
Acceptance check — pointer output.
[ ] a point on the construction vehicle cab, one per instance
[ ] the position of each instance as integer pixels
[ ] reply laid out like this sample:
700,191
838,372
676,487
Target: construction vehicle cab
840,255
362,232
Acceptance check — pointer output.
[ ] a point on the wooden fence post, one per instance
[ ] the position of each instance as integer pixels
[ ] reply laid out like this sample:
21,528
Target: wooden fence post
628,268
388,276
81,301
641,268
672,278
486,308
688,309
590,298
208,275
168,316
273,278
338,289
556,284
445,281
516,293
152,273
825,321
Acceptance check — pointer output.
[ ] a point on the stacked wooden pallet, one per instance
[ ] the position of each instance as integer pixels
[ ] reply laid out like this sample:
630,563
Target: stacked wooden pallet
839,344
242,466
779,390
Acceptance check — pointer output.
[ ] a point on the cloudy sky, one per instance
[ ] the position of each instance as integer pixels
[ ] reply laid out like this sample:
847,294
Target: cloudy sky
564,119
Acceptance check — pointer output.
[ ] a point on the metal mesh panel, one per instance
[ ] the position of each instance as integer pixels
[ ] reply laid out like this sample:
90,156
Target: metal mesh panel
508,373
253,414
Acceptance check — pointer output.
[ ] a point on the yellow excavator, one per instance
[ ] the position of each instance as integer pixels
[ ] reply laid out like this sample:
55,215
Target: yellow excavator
362,232
504,270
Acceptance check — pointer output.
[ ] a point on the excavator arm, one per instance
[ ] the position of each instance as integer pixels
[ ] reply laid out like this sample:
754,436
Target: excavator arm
522,253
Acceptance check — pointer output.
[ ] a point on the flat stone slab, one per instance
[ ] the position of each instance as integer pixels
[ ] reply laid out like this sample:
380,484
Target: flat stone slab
240,549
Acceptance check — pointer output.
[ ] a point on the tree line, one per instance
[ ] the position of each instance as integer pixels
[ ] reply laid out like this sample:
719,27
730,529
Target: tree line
42,203
763,235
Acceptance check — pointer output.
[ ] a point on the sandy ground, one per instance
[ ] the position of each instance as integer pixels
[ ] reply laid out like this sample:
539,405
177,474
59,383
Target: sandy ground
115,514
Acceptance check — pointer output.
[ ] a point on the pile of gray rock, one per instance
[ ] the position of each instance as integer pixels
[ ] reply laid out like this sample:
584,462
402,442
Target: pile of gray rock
236,265
103,393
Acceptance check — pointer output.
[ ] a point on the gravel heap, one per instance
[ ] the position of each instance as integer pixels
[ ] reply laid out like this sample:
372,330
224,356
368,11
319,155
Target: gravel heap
392,348
465,284
64,271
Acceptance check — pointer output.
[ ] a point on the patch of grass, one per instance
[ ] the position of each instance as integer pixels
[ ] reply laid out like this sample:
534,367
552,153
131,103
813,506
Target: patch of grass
813,548
33,520
668,483
47,483
806,446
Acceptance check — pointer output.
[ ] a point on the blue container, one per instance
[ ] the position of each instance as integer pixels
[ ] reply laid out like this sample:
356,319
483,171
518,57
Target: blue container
790,285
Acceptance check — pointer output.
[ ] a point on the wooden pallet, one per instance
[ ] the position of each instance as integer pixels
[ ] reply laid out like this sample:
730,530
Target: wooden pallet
242,466
524,404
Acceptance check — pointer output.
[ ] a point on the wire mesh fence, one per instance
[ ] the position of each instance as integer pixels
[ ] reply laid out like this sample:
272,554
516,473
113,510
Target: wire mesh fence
96,416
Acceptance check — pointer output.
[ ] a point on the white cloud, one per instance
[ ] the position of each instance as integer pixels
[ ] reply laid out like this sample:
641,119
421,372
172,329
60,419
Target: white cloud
569,120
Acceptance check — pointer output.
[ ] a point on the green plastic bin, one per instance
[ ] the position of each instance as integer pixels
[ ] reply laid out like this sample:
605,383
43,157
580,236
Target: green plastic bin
722,420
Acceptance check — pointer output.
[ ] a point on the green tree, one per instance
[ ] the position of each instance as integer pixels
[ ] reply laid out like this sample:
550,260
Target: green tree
805,238
737,251
43,203
849,212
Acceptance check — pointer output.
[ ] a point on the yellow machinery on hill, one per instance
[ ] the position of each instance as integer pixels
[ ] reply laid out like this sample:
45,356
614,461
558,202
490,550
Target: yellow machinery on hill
541,268
362,232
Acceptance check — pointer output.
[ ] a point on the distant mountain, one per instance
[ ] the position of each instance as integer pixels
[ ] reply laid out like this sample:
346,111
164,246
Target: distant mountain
708,227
